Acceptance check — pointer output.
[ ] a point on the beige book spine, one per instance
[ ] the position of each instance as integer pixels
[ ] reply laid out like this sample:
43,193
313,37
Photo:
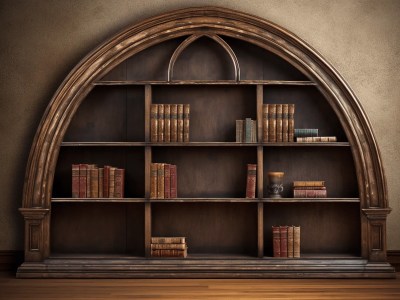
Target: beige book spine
296,241
290,241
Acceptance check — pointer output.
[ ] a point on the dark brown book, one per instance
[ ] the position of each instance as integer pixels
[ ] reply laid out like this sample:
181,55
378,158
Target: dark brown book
276,241
169,253
272,123
180,123
265,123
180,246
89,180
153,180
251,181
296,241
168,240
82,180
279,135
94,182
309,193
174,181
239,131
186,122
119,185
285,122
254,131
75,181
167,123
291,122
154,123
167,181
106,182
174,122
101,182
160,181
111,183
283,230
290,241
161,122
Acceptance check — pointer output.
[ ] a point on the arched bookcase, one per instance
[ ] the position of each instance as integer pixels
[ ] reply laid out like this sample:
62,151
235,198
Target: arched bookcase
226,65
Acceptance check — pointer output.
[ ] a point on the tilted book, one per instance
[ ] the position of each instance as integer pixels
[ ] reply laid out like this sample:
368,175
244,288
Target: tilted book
119,185
174,123
290,241
153,180
265,122
283,230
301,183
154,123
272,123
279,123
167,181
291,122
167,123
75,181
168,240
180,123
296,241
276,241
251,181
160,181
186,122
94,182
285,122
174,181
160,122
181,246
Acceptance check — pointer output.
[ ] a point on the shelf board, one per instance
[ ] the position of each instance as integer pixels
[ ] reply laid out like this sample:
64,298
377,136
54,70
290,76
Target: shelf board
98,200
204,82
295,144
310,200
311,256
209,200
141,200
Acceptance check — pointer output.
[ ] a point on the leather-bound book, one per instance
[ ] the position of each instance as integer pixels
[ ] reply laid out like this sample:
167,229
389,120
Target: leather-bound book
180,246
254,131
89,180
296,241
160,181
248,124
291,122
169,253
308,183
265,123
309,193
106,182
94,182
154,123
276,241
168,240
82,180
174,123
153,180
272,123
174,181
111,182
284,240
167,181
251,181
180,123
161,122
75,181
167,123
285,122
101,182
290,241
279,123
119,191
186,122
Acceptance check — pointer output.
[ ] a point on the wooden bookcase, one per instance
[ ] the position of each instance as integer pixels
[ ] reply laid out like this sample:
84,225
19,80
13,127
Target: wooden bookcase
226,65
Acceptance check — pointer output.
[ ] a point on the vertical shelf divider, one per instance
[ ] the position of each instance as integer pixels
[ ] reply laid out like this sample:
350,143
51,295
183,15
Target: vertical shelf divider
147,158
260,173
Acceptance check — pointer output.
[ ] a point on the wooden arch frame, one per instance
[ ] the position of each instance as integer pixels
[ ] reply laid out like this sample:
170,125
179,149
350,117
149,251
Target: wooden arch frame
209,21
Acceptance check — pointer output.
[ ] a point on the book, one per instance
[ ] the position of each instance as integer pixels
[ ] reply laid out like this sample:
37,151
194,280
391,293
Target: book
283,232
167,123
239,131
180,123
186,122
75,181
290,241
309,193
305,132
169,253
247,130
308,183
111,183
168,240
272,123
160,181
291,122
265,122
276,241
154,123
174,123
310,188
167,181
101,182
174,181
119,185
279,123
285,122
106,182
251,181
153,180
161,123
180,246
94,182
254,131
296,241
316,139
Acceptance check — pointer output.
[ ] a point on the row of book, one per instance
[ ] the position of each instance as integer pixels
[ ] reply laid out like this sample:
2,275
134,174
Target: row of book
168,247
309,189
90,181
163,181
278,122
169,123
310,135
246,131
286,241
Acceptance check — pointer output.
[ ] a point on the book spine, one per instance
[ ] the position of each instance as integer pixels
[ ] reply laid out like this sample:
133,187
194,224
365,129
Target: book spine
251,181
254,131
290,241
308,183
180,123
174,123
239,131
305,132
265,122
316,139
88,181
283,230
291,122
75,181
186,122
169,253
285,123
272,122
248,125
106,182
174,181
111,182
94,182
167,123
296,241
310,188
276,241
300,193
279,123
154,123
101,182
168,240
160,181
161,123
153,180
181,246
167,181
119,185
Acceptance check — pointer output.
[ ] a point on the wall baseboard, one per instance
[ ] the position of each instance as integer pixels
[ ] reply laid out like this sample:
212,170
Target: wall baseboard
10,260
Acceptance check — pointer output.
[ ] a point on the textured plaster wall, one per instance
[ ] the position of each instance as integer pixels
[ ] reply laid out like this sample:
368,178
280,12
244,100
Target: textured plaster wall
41,41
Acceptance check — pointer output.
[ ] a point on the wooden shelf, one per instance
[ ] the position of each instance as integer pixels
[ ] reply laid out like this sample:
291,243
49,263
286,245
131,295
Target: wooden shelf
205,82
200,144
98,200
311,200
208,200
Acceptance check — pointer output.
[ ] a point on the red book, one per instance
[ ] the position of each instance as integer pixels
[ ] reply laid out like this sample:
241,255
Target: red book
119,183
167,181
308,193
251,181
75,181
106,182
283,230
174,181
276,241
82,180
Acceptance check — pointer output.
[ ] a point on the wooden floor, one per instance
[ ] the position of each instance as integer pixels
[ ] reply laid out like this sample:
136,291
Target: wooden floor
185,289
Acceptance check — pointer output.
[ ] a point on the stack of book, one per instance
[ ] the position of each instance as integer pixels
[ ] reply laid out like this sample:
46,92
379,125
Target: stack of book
168,247
286,241
309,189
90,181
246,131
310,135
251,180
278,123
163,181
169,123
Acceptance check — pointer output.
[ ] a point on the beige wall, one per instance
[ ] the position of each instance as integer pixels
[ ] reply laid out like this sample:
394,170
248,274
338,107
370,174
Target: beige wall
41,41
